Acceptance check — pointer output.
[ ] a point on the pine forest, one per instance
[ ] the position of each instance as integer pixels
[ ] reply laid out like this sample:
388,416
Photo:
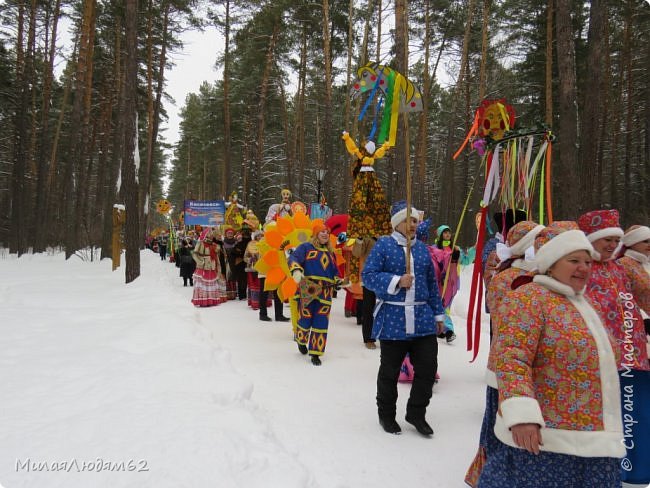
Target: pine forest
83,115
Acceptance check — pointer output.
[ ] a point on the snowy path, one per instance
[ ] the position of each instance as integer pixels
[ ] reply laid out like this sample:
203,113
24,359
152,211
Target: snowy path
134,375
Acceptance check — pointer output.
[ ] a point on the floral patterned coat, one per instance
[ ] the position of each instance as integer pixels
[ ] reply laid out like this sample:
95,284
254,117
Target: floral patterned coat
556,366
615,298
637,269
500,286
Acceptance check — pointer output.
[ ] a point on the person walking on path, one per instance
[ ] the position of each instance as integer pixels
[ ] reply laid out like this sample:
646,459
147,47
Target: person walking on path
313,265
408,316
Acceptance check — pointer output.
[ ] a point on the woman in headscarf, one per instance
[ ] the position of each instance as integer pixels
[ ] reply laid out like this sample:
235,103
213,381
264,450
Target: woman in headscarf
210,273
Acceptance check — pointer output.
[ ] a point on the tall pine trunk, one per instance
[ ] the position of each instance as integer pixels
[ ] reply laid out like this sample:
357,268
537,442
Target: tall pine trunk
17,236
590,133
130,158
42,188
567,162
225,177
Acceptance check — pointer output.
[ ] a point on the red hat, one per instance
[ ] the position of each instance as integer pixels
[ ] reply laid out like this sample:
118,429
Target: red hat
599,224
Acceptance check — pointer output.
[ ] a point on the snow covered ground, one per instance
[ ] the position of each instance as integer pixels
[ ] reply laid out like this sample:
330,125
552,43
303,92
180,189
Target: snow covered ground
104,384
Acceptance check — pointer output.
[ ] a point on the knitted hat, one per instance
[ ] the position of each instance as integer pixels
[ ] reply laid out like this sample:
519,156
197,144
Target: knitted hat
318,225
505,220
558,239
441,229
422,232
598,224
398,213
636,234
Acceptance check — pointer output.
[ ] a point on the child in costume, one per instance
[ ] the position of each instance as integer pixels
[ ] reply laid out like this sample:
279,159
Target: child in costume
445,260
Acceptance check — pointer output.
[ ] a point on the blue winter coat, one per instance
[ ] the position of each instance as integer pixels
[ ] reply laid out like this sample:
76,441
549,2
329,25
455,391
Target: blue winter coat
422,307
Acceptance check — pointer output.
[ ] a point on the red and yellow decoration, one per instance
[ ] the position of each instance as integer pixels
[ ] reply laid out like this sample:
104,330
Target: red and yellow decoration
163,206
286,233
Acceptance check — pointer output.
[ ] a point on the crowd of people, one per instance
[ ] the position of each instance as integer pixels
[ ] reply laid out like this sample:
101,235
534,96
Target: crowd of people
568,374
568,378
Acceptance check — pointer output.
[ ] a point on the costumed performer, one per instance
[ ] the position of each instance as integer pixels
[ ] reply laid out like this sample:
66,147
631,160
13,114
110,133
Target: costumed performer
618,300
517,256
210,274
636,261
408,316
559,416
314,263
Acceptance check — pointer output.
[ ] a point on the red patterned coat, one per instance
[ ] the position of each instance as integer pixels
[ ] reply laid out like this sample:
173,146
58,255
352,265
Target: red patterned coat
637,269
615,298
556,367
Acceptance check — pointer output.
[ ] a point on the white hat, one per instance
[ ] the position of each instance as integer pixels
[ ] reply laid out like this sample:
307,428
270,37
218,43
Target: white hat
556,241
636,234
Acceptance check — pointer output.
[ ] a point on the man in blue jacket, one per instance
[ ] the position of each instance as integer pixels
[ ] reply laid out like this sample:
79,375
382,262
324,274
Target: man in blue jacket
408,316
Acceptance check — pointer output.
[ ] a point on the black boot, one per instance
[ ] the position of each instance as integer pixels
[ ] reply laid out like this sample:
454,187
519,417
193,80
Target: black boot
390,425
315,360
282,318
420,425
450,336
265,318
302,348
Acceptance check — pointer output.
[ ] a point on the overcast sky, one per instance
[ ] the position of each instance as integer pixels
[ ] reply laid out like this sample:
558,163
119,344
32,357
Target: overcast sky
194,65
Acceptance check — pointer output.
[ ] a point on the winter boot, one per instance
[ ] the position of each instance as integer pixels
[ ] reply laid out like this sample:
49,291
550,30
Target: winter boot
390,425
420,425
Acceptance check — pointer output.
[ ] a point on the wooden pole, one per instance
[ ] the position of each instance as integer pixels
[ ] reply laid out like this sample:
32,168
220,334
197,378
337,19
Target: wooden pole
409,199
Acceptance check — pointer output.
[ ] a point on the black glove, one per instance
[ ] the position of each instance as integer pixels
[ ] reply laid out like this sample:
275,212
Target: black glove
455,255
338,282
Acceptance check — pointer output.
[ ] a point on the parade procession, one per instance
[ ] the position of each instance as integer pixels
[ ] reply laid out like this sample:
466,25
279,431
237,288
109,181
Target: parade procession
288,244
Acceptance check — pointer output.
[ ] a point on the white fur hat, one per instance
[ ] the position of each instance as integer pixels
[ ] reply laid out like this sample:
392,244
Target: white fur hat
636,234
556,241
398,213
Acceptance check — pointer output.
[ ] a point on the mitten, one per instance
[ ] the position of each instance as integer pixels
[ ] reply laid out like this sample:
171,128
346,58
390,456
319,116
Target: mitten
297,275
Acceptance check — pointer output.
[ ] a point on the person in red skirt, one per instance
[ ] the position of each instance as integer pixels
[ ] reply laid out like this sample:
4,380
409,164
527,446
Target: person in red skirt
250,257
210,274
